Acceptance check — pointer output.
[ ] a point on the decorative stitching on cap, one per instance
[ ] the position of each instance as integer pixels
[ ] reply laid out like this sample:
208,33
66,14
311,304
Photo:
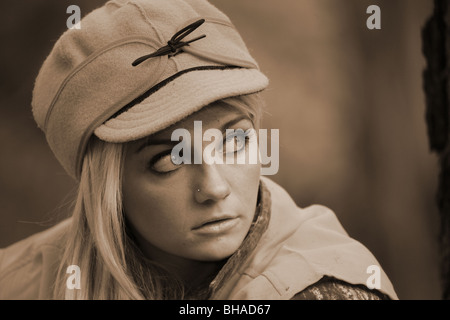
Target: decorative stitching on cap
147,19
221,22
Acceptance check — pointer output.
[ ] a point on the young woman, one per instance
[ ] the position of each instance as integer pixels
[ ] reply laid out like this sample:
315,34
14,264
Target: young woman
161,212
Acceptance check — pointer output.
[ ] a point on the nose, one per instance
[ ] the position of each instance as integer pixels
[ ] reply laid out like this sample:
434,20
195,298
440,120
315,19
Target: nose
211,185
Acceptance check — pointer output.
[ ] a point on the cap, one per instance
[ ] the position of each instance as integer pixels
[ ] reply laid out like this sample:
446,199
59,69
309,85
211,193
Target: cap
135,68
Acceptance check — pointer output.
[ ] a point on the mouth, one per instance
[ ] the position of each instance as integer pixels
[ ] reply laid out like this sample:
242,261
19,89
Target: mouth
216,226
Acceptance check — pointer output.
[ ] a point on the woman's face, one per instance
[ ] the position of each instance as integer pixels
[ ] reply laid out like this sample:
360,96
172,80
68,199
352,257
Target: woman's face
193,211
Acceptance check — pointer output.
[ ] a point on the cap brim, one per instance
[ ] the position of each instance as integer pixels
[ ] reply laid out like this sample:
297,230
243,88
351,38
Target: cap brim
178,99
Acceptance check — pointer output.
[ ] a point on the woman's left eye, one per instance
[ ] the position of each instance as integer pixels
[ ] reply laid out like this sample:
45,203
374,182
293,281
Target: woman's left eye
236,141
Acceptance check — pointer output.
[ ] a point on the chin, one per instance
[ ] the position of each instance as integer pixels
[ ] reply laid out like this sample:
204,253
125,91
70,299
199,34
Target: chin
218,251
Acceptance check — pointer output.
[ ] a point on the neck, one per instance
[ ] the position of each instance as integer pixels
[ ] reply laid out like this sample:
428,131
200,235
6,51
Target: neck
192,273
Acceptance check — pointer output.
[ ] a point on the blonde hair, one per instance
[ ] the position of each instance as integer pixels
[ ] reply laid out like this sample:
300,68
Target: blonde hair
99,242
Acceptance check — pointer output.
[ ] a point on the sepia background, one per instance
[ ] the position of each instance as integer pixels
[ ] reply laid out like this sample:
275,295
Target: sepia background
348,102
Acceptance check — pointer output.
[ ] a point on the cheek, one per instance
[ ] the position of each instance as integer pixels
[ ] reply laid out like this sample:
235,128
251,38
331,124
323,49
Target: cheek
152,210
245,182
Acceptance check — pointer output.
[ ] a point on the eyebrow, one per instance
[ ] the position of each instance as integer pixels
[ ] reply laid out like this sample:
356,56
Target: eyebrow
150,142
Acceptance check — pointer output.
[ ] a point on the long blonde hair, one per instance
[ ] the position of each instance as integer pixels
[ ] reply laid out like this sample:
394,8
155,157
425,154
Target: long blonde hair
99,242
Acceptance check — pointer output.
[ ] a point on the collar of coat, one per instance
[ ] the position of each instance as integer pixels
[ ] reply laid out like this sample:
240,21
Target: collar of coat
289,248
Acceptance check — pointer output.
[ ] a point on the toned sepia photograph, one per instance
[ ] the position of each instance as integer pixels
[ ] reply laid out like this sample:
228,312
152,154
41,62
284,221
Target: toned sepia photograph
247,150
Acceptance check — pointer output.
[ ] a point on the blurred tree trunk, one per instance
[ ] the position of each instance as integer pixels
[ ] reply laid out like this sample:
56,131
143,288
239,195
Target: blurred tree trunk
436,48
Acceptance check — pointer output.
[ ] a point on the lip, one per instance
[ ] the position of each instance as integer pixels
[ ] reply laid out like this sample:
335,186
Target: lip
216,226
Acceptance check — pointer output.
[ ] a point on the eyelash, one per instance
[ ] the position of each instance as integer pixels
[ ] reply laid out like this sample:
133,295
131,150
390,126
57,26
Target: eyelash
157,158
166,153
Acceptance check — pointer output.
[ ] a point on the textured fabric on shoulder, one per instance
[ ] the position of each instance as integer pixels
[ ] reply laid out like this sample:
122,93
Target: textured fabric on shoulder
334,289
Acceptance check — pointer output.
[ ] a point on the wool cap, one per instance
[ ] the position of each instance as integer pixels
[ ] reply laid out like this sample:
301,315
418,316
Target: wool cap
89,83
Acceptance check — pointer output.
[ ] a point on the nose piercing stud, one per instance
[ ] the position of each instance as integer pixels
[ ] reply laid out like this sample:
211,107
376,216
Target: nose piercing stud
198,190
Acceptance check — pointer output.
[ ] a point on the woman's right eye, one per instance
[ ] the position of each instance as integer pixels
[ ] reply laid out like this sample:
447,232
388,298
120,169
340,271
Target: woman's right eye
164,163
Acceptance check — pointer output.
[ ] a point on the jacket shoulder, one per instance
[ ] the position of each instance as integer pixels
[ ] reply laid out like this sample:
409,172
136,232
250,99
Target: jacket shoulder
302,246
28,266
